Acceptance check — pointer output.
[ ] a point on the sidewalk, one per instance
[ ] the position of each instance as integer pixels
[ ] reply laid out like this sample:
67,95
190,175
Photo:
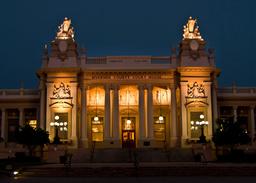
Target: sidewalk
143,170
148,164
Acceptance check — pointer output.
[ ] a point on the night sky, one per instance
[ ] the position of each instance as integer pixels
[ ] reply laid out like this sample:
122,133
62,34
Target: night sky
127,27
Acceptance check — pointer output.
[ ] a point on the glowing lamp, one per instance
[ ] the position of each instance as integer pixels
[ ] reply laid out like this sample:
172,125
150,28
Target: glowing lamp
201,116
56,117
96,118
128,121
161,118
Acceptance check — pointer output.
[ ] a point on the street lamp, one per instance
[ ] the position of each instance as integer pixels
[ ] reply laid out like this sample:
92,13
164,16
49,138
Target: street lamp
56,124
202,123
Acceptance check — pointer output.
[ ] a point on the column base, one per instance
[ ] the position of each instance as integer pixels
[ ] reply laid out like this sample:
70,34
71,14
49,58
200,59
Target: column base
149,143
112,143
74,143
84,143
174,142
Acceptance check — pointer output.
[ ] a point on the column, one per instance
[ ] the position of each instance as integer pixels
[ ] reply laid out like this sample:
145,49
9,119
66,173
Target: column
235,113
252,122
3,125
141,113
74,114
84,132
21,117
107,113
150,112
173,126
42,105
116,125
214,106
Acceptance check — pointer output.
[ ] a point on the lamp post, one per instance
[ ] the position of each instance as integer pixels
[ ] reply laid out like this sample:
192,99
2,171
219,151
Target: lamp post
63,127
202,123
56,124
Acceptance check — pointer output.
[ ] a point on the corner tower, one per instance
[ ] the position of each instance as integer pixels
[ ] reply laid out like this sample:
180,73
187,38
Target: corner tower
59,86
197,70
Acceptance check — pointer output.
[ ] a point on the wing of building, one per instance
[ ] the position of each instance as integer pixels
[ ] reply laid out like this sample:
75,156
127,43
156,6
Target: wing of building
127,101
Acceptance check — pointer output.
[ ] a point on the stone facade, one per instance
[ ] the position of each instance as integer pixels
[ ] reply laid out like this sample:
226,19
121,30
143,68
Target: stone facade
127,101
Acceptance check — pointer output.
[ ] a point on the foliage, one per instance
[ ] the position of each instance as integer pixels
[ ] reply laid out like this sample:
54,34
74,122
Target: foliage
32,137
230,133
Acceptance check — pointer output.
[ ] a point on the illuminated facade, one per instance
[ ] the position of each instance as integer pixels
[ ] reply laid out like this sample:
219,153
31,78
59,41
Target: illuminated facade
127,101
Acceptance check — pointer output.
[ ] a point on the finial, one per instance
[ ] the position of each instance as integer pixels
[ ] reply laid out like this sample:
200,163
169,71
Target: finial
45,49
65,30
190,30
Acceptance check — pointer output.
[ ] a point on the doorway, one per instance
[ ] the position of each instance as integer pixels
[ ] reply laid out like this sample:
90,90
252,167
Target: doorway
128,132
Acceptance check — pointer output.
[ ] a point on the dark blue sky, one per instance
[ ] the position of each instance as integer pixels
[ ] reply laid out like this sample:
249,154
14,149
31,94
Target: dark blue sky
127,27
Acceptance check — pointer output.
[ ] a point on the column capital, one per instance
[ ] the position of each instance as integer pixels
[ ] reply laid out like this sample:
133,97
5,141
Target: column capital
115,87
107,87
252,106
141,86
84,86
172,86
234,107
149,87
21,108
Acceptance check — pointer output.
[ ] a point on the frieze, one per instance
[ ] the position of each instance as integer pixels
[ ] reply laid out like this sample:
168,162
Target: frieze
130,76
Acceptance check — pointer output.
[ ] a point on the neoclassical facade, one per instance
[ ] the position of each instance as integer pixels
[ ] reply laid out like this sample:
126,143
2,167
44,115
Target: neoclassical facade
127,101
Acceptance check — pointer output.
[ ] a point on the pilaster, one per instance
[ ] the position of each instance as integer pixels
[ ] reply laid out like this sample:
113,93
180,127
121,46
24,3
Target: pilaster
141,113
107,113
84,125
173,126
252,121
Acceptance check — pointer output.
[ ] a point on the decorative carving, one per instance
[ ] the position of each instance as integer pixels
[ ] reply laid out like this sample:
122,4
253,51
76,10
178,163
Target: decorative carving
61,92
65,30
191,31
195,91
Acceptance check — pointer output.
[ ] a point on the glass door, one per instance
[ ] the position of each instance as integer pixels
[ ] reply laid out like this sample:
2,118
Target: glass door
128,132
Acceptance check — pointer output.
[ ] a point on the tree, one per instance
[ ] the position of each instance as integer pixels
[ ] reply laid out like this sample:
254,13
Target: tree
230,133
32,138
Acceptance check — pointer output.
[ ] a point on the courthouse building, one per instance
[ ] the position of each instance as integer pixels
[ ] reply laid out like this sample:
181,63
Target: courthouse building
127,101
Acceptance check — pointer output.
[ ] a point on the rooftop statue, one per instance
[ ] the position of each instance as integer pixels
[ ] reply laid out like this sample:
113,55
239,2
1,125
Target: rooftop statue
191,31
65,30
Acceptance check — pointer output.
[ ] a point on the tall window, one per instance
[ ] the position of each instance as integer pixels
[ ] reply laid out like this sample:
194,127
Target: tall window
61,123
159,128
196,124
97,129
13,123
31,117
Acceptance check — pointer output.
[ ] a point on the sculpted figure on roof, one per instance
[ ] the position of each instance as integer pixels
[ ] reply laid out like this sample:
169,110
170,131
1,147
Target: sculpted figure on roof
65,30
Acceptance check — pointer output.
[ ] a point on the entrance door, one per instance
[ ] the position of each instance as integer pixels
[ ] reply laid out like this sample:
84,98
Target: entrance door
128,132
